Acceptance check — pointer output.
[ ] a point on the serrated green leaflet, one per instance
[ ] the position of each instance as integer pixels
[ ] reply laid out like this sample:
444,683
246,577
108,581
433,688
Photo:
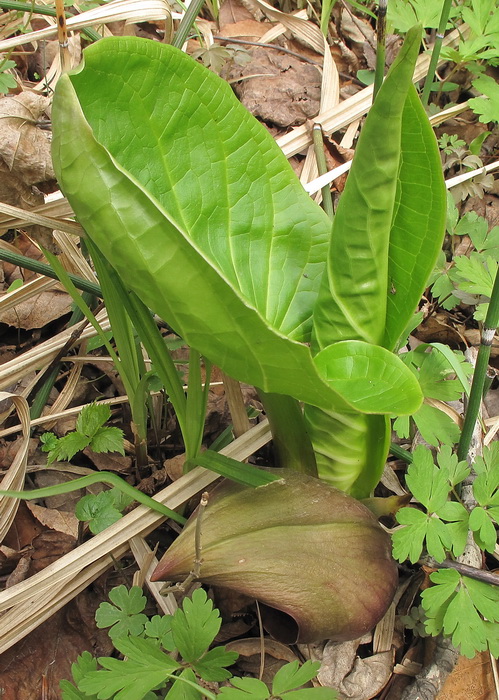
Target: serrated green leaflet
92,417
426,482
146,668
195,626
454,606
293,675
211,666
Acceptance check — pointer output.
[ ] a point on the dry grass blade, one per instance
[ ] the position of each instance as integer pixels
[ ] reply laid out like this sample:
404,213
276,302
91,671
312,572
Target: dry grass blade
313,186
147,561
301,28
14,478
30,217
278,29
53,208
67,392
27,291
128,10
62,580
72,257
453,181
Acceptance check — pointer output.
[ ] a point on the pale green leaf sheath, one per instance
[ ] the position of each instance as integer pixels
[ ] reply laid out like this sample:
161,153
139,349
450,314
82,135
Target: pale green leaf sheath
197,209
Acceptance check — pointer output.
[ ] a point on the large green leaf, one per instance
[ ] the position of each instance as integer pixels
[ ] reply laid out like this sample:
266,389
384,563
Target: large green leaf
199,212
178,129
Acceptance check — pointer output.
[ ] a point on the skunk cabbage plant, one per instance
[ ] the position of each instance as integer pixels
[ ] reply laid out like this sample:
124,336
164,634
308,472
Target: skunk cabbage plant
194,205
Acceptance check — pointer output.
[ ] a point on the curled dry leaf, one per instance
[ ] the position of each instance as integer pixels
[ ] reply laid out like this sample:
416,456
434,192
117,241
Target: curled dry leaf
38,311
311,555
24,149
57,520
353,677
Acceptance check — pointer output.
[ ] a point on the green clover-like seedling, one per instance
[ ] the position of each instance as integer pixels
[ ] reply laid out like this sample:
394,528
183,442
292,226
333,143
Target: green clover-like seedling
125,616
286,685
7,80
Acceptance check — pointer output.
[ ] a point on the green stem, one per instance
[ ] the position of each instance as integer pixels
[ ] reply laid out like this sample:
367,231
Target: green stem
320,157
290,437
430,76
400,453
100,478
379,72
480,373
186,23
44,10
44,269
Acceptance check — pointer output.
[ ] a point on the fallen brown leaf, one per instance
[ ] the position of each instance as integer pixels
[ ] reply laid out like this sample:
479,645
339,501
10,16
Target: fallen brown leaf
38,311
24,149
471,679
354,677
289,96
60,521
244,29
29,666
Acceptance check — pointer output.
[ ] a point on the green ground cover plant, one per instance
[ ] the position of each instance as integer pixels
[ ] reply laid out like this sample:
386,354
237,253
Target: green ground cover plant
169,656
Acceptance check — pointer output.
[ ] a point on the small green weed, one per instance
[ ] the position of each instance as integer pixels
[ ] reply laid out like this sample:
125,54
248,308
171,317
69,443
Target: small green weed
7,81
90,432
169,656
105,508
